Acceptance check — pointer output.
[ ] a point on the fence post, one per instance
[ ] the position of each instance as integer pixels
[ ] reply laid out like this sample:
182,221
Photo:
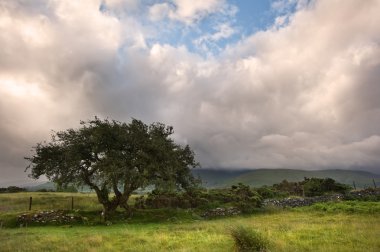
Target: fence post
30,203
72,202
353,182
374,183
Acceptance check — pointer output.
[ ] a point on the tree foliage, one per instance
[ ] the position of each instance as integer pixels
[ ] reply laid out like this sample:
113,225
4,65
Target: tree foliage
110,156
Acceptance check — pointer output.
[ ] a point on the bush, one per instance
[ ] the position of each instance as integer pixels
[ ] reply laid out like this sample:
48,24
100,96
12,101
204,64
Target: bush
246,199
45,190
247,239
67,188
317,186
12,189
267,192
290,188
161,199
309,187
240,196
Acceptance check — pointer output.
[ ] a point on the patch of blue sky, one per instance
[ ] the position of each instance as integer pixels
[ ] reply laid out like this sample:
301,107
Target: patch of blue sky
198,36
103,7
259,15
252,16
202,37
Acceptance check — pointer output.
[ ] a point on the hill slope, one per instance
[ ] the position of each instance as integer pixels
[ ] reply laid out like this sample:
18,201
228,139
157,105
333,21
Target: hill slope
256,178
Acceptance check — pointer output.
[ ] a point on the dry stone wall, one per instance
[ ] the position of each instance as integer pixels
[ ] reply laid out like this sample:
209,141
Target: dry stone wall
373,194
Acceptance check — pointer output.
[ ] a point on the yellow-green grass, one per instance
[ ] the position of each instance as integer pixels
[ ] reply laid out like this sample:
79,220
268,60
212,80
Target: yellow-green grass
11,202
344,226
16,202
286,230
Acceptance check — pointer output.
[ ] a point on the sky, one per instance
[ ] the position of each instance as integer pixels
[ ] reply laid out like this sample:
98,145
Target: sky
247,84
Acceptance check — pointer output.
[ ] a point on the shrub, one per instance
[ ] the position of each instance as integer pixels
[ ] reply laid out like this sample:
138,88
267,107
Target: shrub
247,239
267,192
162,199
318,186
12,189
291,188
246,199
240,196
309,187
45,190
68,188
140,202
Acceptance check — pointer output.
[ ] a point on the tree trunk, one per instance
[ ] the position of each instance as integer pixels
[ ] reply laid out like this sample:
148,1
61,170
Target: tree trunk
109,209
124,204
109,206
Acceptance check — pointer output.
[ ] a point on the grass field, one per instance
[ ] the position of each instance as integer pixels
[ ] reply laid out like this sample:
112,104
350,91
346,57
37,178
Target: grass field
344,226
15,202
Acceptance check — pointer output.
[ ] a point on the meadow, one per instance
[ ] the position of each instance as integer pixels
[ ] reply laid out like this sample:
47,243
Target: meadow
333,226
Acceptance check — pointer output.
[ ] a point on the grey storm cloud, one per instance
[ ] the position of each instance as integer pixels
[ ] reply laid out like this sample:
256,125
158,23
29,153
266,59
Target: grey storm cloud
301,94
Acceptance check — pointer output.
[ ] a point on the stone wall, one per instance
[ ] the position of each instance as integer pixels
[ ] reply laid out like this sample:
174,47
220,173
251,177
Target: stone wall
221,211
298,202
373,194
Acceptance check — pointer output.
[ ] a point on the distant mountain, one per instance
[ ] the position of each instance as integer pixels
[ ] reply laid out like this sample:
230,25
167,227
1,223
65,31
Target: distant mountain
220,178
217,178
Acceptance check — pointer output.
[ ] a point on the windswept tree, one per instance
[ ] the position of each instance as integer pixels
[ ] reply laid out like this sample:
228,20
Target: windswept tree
114,157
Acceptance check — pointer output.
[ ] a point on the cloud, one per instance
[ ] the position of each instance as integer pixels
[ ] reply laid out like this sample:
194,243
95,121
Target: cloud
130,4
300,86
302,94
159,11
222,31
186,11
304,78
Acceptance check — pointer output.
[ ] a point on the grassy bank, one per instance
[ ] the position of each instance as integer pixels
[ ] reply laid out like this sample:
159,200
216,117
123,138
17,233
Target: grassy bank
345,226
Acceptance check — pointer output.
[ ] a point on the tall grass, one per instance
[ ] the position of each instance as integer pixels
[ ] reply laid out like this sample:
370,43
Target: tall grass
249,240
10,202
306,229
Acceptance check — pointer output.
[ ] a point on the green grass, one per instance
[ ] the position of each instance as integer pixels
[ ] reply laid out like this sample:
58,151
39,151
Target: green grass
342,226
10,202
247,239
362,207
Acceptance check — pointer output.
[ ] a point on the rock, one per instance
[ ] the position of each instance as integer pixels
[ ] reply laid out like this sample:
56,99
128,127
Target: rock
298,202
58,216
221,212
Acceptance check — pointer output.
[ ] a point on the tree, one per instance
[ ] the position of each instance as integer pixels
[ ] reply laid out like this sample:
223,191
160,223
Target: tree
110,156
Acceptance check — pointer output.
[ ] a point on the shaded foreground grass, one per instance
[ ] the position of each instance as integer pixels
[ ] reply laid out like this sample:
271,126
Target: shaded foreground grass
343,226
